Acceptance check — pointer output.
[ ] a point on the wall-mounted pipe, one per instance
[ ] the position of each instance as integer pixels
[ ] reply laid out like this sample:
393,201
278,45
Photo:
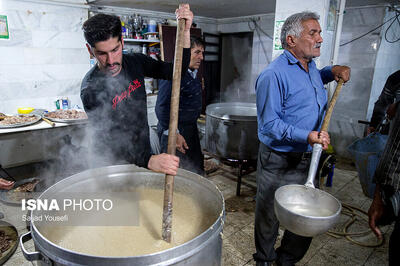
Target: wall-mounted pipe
336,43
78,4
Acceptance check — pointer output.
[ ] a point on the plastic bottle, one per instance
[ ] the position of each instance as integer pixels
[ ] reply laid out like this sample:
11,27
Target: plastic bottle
152,26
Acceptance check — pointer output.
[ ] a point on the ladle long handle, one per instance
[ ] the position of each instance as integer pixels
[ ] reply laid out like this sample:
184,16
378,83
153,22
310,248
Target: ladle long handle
327,119
49,122
317,148
173,125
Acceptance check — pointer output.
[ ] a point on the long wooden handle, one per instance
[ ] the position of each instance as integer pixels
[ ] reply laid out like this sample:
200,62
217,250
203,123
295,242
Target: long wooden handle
173,125
160,36
327,119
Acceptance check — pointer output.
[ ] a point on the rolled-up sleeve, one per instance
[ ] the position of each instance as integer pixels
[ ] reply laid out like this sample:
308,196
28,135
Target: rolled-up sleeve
326,74
270,97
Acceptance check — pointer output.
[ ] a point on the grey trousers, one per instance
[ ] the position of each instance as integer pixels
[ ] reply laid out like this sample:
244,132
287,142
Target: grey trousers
275,169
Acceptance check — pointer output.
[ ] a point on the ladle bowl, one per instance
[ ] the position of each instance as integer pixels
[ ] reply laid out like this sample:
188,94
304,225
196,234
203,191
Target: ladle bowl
306,211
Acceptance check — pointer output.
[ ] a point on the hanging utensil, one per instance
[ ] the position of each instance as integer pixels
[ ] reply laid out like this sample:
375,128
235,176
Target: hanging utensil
41,112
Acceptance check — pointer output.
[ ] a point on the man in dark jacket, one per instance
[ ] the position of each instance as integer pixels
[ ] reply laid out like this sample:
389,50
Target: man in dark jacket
114,96
188,142
385,208
385,103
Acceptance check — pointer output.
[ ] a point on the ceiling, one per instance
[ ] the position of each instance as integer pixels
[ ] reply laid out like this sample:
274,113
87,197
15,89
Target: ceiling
217,8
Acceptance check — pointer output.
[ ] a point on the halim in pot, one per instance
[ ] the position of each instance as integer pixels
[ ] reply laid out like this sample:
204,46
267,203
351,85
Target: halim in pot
204,248
231,130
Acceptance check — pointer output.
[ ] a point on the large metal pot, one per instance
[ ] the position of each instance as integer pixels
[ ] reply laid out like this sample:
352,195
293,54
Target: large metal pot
205,249
231,130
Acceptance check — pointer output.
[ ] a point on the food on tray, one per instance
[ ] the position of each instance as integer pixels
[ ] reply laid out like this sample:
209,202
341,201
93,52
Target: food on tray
23,191
27,187
67,114
17,119
5,242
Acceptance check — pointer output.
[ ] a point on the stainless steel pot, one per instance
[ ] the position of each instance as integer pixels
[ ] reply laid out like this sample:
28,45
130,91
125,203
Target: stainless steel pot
231,130
205,249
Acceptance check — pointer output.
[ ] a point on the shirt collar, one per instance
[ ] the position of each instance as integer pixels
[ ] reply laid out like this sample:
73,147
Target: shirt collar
293,60
193,73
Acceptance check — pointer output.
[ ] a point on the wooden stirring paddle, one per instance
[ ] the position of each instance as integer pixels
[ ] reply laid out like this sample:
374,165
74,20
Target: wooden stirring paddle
173,125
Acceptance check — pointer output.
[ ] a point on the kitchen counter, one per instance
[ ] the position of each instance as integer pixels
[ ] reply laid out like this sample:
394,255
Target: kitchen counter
40,142
38,126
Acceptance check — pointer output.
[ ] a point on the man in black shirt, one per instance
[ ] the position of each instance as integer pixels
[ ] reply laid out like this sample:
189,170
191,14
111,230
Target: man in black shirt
114,96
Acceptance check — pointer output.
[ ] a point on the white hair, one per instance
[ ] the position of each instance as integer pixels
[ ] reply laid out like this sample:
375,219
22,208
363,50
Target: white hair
293,25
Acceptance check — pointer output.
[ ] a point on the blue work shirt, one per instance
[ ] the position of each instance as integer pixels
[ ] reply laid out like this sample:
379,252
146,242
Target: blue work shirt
291,103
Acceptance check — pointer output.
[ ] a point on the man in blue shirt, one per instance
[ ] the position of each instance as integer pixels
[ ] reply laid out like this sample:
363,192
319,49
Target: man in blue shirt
291,103
190,103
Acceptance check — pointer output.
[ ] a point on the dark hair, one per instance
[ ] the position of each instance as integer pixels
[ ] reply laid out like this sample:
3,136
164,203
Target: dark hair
101,27
194,40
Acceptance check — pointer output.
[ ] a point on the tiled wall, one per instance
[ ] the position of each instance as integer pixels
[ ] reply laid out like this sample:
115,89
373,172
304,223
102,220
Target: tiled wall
360,55
262,44
369,67
45,57
387,61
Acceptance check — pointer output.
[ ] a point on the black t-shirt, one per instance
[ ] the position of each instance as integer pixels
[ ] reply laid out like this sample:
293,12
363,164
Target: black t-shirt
117,107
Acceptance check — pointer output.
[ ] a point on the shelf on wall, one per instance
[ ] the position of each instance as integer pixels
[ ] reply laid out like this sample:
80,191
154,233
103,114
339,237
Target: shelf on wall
141,40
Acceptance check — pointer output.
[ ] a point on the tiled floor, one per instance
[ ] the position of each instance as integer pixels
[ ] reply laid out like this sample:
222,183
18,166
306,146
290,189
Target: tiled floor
238,241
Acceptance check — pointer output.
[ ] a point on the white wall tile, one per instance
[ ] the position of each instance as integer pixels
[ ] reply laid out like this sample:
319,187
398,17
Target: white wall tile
56,39
45,57
387,62
11,56
18,38
40,56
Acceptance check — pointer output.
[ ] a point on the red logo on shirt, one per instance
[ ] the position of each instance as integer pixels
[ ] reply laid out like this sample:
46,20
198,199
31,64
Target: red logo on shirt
126,94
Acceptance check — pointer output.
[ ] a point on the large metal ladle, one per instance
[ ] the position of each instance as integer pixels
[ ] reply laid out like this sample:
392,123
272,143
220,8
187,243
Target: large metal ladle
304,209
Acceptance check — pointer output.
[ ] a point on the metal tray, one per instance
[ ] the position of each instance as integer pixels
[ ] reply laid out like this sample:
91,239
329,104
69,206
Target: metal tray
11,231
23,124
7,198
59,120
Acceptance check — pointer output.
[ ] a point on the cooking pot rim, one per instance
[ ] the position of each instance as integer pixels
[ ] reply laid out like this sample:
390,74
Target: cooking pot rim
181,172
209,231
